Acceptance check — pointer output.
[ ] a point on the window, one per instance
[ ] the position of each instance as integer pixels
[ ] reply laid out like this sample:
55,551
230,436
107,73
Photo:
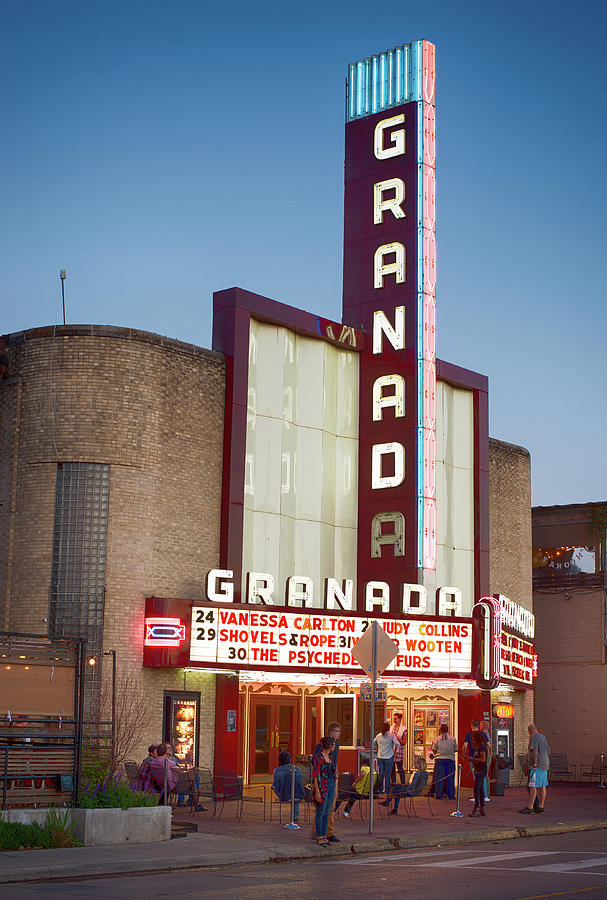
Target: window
363,729
78,562
565,560
340,709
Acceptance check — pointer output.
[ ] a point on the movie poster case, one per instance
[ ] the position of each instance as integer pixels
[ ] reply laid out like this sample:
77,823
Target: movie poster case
426,719
181,721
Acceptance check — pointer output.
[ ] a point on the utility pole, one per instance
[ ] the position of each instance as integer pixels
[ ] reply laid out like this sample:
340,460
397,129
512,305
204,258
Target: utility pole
112,653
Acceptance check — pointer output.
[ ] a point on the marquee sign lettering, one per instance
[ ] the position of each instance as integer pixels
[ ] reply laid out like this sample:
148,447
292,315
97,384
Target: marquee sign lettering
505,656
236,636
300,590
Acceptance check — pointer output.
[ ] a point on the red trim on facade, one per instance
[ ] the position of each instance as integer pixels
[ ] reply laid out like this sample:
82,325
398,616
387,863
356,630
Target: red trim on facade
169,607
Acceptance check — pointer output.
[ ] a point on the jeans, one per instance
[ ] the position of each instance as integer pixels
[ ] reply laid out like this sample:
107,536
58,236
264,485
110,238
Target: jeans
323,809
444,777
398,767
384,767
351,796
479,787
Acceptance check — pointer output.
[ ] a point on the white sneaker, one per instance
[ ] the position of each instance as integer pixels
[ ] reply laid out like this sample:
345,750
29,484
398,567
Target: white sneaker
487,799
346,815
471,799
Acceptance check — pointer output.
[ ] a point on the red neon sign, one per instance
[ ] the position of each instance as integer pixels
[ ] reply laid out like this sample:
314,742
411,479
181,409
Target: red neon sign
163,631
504,711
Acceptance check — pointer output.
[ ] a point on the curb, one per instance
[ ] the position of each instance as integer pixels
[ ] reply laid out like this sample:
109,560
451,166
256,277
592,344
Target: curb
66,872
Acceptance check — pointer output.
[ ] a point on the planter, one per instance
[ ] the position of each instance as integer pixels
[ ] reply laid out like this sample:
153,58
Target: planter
24,816
96,827
139,825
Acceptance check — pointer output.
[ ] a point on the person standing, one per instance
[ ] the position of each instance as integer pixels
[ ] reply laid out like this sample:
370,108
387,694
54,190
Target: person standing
323,788
484,728
466,746
400,732
444,749
539,760
478,761
333,731
387,744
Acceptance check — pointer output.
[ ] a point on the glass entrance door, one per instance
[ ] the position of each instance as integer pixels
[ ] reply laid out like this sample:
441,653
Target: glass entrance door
273,723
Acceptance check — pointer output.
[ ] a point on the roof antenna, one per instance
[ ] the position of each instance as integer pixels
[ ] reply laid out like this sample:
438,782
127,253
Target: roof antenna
62,276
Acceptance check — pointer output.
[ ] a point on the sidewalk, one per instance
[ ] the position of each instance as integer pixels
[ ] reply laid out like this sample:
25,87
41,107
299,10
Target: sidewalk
225,842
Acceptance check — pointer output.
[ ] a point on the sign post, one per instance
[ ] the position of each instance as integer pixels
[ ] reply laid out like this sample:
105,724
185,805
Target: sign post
372,723
373,652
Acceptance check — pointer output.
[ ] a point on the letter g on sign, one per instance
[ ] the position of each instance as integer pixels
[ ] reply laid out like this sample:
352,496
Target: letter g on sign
397,137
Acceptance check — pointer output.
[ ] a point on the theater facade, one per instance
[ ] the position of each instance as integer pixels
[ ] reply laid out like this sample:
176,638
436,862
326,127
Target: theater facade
247,512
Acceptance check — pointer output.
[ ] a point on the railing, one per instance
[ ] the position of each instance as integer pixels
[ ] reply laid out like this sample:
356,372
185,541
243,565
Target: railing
39,762
553,578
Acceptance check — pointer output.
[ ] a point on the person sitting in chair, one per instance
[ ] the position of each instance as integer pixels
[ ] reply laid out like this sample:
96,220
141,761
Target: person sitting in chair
359,789
281,784
161,768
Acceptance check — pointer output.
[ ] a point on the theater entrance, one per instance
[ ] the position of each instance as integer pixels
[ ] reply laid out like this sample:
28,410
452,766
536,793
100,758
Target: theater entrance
273,727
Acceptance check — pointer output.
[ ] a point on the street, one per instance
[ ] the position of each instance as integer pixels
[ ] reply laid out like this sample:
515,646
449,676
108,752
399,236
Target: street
554,866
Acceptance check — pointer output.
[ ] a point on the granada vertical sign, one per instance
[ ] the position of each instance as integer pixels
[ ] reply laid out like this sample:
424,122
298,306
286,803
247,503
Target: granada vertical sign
390,292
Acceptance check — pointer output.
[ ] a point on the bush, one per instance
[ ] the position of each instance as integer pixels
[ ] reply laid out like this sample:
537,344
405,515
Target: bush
114,792
55,833
95,768
15,835
59,829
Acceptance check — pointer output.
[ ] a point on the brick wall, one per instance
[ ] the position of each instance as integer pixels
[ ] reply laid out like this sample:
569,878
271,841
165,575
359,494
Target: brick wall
153,409
510,522
572,676
510,553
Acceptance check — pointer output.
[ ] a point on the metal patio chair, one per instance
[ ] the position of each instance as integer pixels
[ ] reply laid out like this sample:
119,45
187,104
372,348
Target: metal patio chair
597,770
405,793
132,771
560,768
229,786
185,786
203,785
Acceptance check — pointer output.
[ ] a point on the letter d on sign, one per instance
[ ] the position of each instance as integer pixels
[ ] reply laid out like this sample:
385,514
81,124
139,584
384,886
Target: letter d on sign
378,452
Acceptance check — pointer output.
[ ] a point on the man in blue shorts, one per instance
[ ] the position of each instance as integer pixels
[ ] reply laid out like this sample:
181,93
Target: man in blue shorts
539,761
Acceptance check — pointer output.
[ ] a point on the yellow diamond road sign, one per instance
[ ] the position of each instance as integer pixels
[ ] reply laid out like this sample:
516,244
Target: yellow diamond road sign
363,651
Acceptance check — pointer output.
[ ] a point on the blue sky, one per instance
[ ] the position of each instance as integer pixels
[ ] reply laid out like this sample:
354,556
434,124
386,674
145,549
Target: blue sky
162,151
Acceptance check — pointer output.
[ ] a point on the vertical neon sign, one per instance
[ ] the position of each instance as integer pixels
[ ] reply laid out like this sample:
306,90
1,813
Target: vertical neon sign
390,266
427,225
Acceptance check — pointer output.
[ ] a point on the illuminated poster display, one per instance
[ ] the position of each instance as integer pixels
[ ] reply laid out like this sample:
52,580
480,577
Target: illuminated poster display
426,724
181,726
264,639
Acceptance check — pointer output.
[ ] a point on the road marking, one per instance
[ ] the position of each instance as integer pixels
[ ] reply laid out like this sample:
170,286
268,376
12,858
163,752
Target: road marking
481,860
564,893
570,866
381,861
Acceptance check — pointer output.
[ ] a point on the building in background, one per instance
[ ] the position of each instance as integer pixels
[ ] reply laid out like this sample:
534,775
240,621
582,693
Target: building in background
569,602
230,521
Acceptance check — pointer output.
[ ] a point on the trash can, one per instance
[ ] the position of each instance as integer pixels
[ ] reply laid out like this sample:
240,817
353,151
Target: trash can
502,766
